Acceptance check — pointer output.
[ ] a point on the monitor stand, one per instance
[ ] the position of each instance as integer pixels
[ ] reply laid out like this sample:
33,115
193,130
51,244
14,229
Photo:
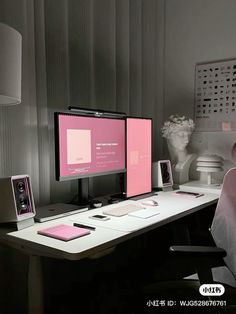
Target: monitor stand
141,196
83,192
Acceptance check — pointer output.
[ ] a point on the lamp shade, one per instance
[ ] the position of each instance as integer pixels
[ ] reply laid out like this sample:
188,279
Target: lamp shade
10,65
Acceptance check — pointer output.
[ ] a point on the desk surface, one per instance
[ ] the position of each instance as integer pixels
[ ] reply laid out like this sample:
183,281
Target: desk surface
170,207
108,233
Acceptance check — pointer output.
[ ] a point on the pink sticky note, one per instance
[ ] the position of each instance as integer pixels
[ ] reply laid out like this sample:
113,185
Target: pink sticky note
226,126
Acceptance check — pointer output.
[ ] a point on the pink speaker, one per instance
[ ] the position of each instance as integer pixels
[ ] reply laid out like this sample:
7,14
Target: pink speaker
17,204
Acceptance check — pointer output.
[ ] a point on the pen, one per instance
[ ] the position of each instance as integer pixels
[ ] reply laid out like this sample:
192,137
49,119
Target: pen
83,226
199,195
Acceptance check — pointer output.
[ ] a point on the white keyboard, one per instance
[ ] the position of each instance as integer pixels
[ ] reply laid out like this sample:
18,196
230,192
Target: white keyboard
122,210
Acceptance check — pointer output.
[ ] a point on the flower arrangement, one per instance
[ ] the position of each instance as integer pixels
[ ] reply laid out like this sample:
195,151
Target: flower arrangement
176,122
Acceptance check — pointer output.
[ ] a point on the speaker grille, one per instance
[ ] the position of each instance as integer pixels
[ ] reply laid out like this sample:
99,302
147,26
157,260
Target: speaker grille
165,173
22,196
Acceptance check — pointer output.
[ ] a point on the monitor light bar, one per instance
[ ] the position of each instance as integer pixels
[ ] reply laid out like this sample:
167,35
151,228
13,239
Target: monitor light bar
97,113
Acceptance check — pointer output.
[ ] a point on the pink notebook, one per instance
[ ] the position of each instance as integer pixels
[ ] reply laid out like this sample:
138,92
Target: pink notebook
64,232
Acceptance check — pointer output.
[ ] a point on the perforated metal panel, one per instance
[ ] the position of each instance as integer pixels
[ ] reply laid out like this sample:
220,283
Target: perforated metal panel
215,96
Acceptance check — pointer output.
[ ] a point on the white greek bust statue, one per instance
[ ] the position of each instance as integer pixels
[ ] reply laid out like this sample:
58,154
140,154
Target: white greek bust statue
178,130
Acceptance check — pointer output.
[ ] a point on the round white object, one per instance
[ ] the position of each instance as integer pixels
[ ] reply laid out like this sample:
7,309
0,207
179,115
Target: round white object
209,164
209,169
209,158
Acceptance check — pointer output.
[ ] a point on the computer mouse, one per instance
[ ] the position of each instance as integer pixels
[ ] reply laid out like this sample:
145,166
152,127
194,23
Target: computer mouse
150,203
96,203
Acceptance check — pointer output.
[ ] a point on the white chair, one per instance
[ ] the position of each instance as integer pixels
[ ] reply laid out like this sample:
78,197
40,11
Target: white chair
223,231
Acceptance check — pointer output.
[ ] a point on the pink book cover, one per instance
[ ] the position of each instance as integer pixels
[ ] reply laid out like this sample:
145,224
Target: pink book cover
64,232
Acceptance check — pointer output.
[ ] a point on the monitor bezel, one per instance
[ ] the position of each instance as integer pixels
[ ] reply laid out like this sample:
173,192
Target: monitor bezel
57,148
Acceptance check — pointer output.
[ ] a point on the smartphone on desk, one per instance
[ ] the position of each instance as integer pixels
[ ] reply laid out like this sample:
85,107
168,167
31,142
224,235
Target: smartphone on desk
100,217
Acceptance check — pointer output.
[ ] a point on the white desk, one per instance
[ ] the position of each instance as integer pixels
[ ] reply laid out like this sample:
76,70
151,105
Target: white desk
107,234
171,207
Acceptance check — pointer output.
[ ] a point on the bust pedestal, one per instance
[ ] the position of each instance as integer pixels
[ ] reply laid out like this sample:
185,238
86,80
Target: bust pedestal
181,170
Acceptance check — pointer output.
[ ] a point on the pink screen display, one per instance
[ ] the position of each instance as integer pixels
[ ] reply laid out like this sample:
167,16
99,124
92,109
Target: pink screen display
139,156
89,145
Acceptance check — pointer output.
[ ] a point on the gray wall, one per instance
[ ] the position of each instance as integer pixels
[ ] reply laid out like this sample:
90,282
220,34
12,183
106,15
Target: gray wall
105,54
197,31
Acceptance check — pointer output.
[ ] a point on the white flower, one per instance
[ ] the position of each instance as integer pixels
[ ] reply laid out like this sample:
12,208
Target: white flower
175,123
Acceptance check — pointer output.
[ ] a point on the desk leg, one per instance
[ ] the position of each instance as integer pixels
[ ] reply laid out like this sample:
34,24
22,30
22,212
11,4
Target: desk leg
35,286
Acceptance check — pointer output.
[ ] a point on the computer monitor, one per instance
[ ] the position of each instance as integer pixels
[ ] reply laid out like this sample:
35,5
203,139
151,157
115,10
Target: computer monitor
88,146
138,156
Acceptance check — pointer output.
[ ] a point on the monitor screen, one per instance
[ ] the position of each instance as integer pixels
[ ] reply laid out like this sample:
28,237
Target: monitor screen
139,156
88,146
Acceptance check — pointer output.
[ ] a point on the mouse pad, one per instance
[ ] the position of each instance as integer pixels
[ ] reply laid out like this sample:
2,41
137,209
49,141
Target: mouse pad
144,213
